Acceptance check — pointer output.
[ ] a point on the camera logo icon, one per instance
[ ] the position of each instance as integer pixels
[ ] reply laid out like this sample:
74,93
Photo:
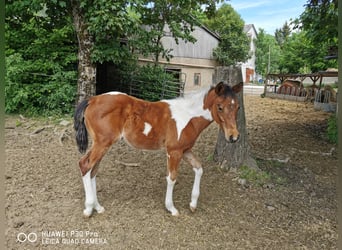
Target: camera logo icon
23,237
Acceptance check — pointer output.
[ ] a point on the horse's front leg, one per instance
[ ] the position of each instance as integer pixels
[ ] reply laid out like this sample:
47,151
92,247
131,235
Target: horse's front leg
197,167
173,161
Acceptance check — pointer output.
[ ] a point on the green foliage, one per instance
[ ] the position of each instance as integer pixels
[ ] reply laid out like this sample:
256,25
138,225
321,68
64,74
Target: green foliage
152,83
234,44
180,16
332,131
267,53
303,48
270,172
257,177
281,35
320,21
40,59
32,94
110,23
300,55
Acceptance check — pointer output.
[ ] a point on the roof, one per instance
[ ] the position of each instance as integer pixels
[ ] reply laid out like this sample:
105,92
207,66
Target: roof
248,27
214,34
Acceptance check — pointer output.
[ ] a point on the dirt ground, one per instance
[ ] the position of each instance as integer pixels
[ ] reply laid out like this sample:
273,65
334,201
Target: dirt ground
295,209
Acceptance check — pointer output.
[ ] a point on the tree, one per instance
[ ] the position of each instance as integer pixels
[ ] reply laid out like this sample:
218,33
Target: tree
237,154
300,55
179,16
40,59
234,45
111,31
267,54
101,26
293,57
320,21
281,35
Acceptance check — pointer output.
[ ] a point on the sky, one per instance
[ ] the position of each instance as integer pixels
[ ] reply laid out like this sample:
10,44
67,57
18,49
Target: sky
268,14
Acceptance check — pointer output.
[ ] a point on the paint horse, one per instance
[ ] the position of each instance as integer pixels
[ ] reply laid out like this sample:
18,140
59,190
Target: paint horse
173,125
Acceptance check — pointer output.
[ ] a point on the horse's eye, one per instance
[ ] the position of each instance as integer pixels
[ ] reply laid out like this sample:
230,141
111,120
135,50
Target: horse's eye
219,108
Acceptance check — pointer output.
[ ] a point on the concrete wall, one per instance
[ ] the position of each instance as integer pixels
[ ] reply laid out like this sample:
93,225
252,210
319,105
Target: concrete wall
189,67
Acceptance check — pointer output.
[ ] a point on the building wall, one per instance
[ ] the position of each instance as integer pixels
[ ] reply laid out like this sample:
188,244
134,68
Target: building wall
191,59
191,67
201,49
249,66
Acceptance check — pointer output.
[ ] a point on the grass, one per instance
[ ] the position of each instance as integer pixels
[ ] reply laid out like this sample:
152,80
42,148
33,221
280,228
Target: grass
257,177
270,172
332,131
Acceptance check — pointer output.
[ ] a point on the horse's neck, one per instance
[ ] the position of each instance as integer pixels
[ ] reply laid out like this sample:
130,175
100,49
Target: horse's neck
190,109
201,123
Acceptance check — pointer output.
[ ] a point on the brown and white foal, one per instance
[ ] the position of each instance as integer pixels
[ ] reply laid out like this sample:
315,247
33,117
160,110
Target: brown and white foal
173,125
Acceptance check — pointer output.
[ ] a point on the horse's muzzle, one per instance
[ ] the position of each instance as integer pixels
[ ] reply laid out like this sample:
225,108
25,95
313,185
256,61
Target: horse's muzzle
233,139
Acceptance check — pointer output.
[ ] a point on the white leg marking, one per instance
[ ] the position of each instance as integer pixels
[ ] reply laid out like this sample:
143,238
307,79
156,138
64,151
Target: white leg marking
196,188
89,195
97,205
168,199
147,128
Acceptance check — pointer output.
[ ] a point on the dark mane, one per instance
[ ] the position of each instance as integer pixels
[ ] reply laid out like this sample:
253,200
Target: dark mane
226,91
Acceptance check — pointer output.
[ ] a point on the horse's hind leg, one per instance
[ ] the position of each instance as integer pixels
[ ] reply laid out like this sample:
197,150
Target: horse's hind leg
88,166
89,195
97,205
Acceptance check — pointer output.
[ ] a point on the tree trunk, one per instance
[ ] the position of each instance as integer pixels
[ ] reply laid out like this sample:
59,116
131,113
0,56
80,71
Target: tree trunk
86,82
233,155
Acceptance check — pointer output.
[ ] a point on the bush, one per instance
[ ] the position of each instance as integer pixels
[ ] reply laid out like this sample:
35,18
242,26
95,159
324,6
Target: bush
37,94
332,131
154,83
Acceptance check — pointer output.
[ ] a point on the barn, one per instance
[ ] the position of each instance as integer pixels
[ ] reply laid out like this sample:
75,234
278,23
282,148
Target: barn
193,61
192,64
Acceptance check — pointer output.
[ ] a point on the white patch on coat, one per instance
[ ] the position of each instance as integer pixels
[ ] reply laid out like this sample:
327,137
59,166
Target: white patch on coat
114,93
147,129
233,102
184,109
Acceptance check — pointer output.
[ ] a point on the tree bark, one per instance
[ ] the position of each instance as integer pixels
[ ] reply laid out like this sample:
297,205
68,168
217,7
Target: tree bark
86,81
233,155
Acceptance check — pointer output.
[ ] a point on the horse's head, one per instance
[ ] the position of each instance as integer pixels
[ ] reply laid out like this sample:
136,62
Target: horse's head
223,105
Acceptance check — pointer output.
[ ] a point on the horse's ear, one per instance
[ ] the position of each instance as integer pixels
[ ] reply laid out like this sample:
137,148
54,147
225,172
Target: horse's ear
219,89
208,101
237,88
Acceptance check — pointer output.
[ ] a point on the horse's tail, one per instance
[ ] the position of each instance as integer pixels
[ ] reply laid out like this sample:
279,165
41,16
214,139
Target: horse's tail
80,128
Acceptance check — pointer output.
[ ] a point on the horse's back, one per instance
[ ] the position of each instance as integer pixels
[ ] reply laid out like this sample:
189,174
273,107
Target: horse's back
142,124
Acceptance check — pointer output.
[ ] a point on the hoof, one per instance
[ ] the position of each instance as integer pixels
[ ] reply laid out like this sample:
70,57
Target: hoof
100,210
175,213
87,213
192,209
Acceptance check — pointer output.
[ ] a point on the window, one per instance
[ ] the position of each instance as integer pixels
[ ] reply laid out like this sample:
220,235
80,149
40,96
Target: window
197,79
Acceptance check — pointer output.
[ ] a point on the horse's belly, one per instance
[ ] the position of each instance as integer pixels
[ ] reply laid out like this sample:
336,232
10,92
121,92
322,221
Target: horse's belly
143,141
